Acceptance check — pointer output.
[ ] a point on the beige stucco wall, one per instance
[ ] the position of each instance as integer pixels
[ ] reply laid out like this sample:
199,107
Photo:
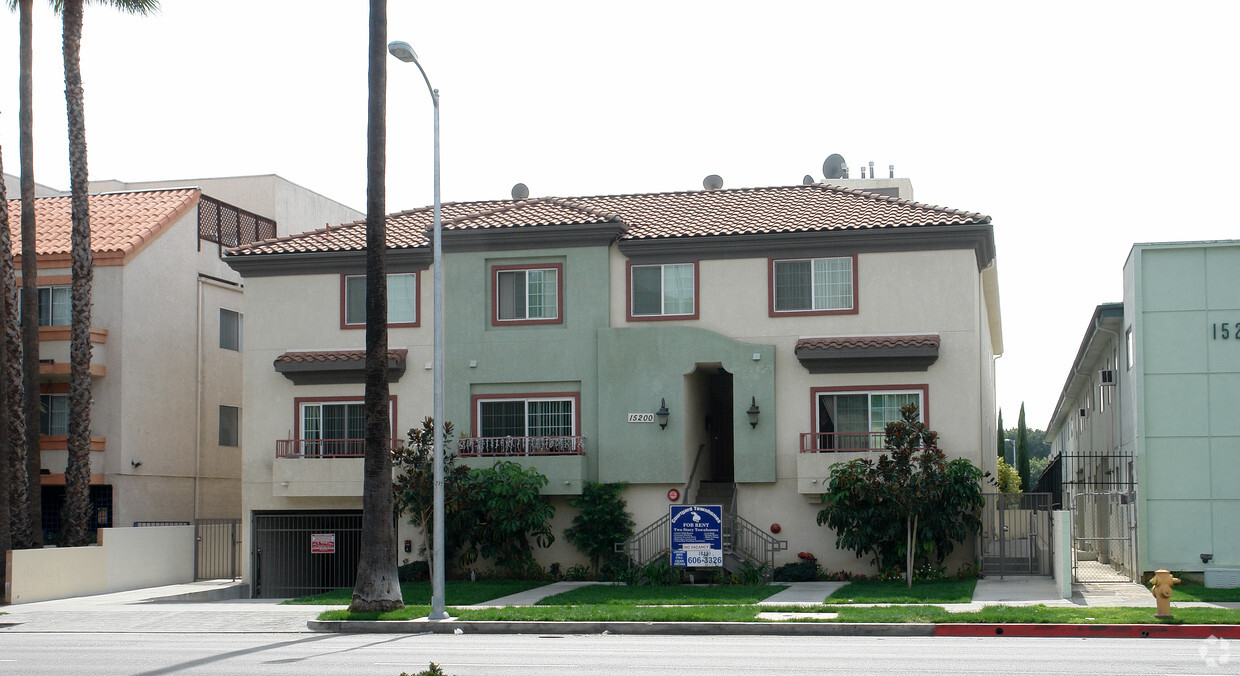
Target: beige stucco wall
301,313
126,558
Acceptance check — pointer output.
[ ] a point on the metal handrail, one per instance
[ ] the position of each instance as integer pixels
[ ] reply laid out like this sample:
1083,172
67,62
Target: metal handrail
684,492
834,442
467,447
648,543
325,448
753,544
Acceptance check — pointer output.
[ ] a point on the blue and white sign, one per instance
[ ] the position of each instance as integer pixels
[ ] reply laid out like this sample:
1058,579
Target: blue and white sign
697,535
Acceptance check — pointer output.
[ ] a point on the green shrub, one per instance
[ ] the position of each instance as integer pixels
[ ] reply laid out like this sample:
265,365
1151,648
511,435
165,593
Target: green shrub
414,571
434,670
578,572
750,575
799,571
602,520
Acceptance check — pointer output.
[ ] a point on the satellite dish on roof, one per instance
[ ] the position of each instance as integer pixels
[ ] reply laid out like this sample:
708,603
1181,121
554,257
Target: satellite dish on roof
835,167
520,191
808,180
712,182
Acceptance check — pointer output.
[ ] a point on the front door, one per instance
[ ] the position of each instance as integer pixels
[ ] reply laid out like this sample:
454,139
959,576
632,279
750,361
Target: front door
720,412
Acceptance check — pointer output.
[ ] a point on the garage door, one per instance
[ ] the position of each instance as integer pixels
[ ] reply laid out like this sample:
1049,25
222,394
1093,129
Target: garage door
300,553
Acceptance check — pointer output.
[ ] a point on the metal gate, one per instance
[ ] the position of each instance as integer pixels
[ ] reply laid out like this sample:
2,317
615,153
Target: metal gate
1016,534
1104,526
300,553
218,549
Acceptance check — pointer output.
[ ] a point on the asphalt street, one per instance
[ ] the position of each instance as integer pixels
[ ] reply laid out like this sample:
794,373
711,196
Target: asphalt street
481,655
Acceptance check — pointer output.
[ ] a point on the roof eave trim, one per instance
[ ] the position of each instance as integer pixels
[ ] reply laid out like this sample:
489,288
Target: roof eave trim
531,236
324,262
980,238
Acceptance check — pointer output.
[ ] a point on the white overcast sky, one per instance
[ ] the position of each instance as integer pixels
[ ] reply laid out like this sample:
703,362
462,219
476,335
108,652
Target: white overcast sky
1079,127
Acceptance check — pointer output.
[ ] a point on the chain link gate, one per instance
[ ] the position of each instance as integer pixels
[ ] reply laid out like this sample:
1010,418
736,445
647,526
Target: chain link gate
1103,536
1016,534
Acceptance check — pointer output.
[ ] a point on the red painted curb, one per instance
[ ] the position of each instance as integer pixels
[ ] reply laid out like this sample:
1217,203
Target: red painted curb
1091,630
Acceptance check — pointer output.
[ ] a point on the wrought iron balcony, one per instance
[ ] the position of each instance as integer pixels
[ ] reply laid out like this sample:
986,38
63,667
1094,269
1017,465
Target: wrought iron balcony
325,448
477,447
832,442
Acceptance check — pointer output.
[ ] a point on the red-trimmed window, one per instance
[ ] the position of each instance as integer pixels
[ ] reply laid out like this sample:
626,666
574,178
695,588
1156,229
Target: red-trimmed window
331,426
527,294
403,303
525,424
667,291
855,419
813,286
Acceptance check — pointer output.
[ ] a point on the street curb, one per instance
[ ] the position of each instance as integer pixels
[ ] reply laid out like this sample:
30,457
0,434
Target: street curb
422,626
1091,630
629,628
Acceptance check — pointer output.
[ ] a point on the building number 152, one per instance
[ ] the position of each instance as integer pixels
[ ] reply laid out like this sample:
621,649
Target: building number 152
1225,331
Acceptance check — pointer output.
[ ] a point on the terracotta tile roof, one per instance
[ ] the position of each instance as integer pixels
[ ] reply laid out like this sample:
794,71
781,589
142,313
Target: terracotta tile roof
702,213
855,342
120,223
341,356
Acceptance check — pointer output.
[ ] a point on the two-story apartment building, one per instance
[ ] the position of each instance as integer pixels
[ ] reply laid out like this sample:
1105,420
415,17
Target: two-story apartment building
721,345
166,342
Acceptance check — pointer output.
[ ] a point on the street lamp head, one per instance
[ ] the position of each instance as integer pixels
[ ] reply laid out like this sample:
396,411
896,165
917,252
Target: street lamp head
403,51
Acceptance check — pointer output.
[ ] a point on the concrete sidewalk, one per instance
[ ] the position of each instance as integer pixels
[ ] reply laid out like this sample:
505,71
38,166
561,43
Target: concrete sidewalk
217,607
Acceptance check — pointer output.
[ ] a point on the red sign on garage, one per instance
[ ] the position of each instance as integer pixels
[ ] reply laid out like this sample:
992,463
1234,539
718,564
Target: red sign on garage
322,543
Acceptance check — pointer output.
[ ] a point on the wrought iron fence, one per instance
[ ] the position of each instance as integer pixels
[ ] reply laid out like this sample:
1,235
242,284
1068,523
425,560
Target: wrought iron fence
300,553
508,446
1016,534
218,549
324,448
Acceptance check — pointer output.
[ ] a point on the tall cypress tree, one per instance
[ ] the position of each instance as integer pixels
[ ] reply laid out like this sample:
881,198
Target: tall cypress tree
1001,441
1022,450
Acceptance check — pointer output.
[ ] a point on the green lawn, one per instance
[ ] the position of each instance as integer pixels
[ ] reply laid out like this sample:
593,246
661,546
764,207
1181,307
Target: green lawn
748,613
1191,591
940,591
456,593
606,594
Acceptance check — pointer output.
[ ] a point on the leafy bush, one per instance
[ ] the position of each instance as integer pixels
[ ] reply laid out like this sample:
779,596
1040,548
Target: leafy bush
434,670
1009,478
578,572
602,520
805,570
510,511
414,571
909,505
750,575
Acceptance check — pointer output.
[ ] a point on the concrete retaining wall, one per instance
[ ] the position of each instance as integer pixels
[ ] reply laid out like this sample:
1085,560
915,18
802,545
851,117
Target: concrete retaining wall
125,558
1061,529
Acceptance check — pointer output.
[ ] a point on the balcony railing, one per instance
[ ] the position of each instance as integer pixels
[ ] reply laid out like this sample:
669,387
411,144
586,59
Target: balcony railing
509,446
324,448
832,442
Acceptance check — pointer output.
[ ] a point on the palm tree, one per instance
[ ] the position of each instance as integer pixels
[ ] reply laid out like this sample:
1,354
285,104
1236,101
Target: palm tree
32,454
6,465
26,452
77,471
376,588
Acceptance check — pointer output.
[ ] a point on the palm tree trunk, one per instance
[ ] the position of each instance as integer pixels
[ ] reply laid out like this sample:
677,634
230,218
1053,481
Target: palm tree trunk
31,455
74,527
13,469
6,455
377,587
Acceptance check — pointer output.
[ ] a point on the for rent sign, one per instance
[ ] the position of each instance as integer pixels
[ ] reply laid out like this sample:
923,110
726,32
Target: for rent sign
697,535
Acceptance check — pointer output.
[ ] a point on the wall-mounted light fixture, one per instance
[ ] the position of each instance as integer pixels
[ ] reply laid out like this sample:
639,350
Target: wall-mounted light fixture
662,413
753,412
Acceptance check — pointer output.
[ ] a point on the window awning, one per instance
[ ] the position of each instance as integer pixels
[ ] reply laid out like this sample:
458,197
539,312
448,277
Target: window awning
858,354
335,366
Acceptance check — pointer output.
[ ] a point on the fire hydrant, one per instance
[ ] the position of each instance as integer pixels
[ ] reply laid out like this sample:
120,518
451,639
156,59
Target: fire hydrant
1160,586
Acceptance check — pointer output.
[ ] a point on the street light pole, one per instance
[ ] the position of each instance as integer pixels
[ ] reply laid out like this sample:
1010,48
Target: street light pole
404,52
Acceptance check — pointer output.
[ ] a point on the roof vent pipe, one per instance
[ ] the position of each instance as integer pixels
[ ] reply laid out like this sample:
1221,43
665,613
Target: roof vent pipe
891,171
863,171
872,174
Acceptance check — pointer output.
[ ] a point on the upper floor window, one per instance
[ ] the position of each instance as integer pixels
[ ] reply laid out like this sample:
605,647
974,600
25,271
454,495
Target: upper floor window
55,305
54,416
402,300
663,291
533,417
230,330
857,419
527,295
230,426
813,286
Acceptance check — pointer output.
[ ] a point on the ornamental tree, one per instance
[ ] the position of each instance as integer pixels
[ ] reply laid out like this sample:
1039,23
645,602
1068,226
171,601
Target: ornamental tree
415,491
910,503
602,520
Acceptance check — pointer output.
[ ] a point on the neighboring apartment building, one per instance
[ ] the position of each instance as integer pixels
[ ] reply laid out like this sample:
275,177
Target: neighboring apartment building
571,323
166,343
1145,436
